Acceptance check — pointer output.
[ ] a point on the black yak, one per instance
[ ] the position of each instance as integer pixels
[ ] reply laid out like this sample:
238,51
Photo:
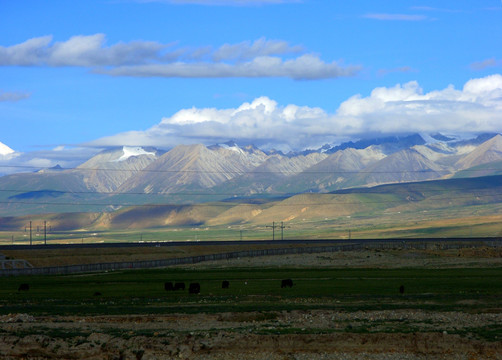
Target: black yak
179,286
23,287
194,288
168,286
286,283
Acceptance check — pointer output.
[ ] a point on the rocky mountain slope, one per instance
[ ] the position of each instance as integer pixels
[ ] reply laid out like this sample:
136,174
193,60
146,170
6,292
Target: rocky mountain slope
109,169
192,173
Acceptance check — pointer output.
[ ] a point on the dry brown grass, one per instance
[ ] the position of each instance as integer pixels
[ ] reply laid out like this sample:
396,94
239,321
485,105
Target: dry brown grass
60,257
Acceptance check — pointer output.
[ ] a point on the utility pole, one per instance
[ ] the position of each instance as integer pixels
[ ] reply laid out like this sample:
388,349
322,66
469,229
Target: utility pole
282,230
273,229
30,234
45,232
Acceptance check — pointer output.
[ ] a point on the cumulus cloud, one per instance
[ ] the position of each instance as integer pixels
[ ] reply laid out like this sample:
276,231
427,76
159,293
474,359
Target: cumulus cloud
475,108
259,58
13,96
403,108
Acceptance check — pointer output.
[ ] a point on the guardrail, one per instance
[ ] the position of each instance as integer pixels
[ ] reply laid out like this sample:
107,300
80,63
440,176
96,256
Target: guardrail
145,264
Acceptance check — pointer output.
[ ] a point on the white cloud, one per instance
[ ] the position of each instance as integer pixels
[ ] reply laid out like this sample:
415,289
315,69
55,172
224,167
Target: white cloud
13,96
477,107
86,51
222,2
27,53
396,17
305,67
248,50
66,157
260,58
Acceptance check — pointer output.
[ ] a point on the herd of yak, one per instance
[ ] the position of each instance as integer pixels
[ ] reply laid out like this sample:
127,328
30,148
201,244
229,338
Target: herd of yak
194,288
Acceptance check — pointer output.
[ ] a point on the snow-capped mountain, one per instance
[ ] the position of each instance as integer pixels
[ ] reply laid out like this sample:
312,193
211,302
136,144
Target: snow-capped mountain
111,168
230,170
129,151
5,150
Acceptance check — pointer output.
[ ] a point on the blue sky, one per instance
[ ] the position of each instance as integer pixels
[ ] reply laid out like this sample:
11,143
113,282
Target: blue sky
76,76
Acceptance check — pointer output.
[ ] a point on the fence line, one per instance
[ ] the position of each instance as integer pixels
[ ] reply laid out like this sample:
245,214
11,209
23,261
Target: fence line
145,264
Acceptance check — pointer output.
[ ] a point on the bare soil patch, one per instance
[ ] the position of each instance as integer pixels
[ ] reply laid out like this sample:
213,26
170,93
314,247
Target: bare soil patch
276,335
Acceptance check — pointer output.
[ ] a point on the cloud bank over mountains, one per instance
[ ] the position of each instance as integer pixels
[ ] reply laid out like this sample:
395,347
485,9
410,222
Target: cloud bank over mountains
249,59
405,108
400,109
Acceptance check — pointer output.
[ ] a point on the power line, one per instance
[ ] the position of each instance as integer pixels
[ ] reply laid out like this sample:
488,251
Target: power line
198,171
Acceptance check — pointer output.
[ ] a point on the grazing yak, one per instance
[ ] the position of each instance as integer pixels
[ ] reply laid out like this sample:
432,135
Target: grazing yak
23,287
194,288
401,289
225,284
168,286
286,283
179,286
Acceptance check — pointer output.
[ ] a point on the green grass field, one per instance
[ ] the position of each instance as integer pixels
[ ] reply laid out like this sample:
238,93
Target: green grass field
142,292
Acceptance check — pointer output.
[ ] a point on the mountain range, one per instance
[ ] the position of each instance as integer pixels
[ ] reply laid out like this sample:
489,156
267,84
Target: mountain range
124,176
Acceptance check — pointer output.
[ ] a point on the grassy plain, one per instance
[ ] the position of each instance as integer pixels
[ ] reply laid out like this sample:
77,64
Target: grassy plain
482,221
251,289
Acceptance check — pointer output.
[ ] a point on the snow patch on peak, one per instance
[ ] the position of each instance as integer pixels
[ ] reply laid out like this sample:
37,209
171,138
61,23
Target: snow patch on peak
5,150
429,139
231,146
129,151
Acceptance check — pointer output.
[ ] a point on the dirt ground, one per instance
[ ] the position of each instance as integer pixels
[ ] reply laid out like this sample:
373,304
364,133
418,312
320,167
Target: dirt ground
389,259
300,334
319,334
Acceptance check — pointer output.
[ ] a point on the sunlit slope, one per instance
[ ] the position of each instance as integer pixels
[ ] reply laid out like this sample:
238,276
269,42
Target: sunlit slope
443,198
332,172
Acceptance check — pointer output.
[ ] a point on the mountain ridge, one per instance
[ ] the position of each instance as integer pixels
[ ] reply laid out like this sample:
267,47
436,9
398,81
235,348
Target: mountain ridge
195,173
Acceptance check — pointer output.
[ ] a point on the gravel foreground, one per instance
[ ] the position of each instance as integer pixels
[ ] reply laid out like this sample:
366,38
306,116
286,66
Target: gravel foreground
316,334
